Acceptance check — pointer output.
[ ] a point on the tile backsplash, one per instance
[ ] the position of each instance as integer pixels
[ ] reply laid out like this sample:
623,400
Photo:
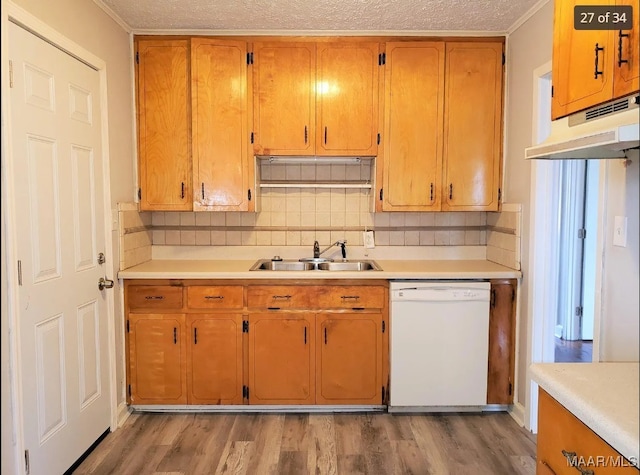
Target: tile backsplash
504,235
135,235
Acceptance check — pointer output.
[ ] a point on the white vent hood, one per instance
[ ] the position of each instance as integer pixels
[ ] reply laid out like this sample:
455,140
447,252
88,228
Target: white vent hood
606,131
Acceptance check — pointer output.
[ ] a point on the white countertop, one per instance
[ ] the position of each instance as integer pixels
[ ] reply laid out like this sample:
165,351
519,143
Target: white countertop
391,269
604,396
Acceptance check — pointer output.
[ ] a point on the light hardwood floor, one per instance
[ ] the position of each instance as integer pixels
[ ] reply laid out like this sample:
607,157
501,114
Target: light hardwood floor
296,444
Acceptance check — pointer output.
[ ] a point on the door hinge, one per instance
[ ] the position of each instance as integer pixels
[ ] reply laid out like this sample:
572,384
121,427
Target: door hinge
10,73
139,193
384,326
382,59
245,326
27,468
579,311
582,233
245,392
19,272
249,194
250,58
137,57
378,139
251,137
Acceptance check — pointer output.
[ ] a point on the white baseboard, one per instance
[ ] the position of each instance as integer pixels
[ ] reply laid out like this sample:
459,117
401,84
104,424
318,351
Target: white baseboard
516,411
123,413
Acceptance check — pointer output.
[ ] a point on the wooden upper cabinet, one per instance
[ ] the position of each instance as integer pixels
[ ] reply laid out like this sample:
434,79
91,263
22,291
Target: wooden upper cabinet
220,136
591,67
347,98
164,124
284,101
626,78
472,126
413,113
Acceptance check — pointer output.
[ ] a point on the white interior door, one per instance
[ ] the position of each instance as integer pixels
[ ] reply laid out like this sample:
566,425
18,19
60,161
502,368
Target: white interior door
59,196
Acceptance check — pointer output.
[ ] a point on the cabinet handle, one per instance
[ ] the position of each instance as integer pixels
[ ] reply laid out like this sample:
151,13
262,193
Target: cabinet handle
214,297
305,134
596,72
305,335
195,336
182,190
203,190
281,297
325,135
620,36
325,336
572,461
175,336
450,191
350,297
154,297
431,193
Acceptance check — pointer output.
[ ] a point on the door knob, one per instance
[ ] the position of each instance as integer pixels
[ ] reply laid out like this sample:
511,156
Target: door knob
105,283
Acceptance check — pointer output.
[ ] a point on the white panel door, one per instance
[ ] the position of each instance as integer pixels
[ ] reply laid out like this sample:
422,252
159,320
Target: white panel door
59,196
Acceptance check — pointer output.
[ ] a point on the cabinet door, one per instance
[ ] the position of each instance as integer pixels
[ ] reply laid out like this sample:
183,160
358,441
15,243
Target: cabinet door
157,359
349,359
413,113
281,358
164,124
627,57
220,137
214,358
575,83
284,101
472,126
501,342
347,99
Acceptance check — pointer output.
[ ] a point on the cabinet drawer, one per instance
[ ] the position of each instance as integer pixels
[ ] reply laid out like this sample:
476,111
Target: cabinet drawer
562,436
352,296
280,296
154,296
214,296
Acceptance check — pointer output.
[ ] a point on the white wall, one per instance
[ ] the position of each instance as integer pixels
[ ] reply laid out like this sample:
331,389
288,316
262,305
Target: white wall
84,23
529,47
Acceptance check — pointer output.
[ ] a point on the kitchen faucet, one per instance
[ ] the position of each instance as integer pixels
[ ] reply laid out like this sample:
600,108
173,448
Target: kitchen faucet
317,252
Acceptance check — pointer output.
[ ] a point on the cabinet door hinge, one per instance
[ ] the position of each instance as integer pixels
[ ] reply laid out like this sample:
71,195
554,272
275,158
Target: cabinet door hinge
384,326
382,59
380,194
245,326
128,326
582,233
19,272
513,293
251,137
504,58
249,194
10,73
383,394
129,388
137,58
499,194
378,139
27,467
551,91
139,193
250,58
510,388
245,392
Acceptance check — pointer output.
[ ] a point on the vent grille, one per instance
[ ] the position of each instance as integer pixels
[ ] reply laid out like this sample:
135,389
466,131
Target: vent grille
594,113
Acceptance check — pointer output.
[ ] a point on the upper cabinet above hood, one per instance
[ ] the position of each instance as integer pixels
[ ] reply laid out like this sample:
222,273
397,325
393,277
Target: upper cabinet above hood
606,131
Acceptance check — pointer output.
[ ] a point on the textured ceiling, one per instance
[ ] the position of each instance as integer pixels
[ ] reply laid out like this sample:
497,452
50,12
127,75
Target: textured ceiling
317,15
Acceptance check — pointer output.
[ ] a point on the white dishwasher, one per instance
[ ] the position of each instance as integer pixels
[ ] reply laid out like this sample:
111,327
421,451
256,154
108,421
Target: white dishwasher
439,344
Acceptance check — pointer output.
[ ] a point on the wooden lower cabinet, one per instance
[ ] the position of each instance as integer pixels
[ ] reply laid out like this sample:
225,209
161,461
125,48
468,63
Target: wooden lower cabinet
502,325
349,358
157,359
566,446
281,358
214,359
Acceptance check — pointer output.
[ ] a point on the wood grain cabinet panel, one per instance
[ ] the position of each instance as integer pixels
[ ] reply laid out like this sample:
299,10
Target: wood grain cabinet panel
280,296
591,67
502,324
214,358
219,118
413,117
349,296
349,359
565,445
164,124
147,297
157,359
215,296
281,358
472,126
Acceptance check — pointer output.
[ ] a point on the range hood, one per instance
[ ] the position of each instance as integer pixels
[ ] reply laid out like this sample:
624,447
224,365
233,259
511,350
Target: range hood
606,131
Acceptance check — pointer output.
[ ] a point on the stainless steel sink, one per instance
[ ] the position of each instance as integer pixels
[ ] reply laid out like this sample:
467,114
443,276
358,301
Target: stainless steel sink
323,265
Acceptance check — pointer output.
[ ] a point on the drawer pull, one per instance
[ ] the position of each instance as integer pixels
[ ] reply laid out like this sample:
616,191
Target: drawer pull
350,297
281,297
214,297
572,461
154,297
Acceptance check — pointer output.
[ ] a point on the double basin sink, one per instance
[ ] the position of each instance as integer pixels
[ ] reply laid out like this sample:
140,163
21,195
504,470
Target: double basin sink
315,264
